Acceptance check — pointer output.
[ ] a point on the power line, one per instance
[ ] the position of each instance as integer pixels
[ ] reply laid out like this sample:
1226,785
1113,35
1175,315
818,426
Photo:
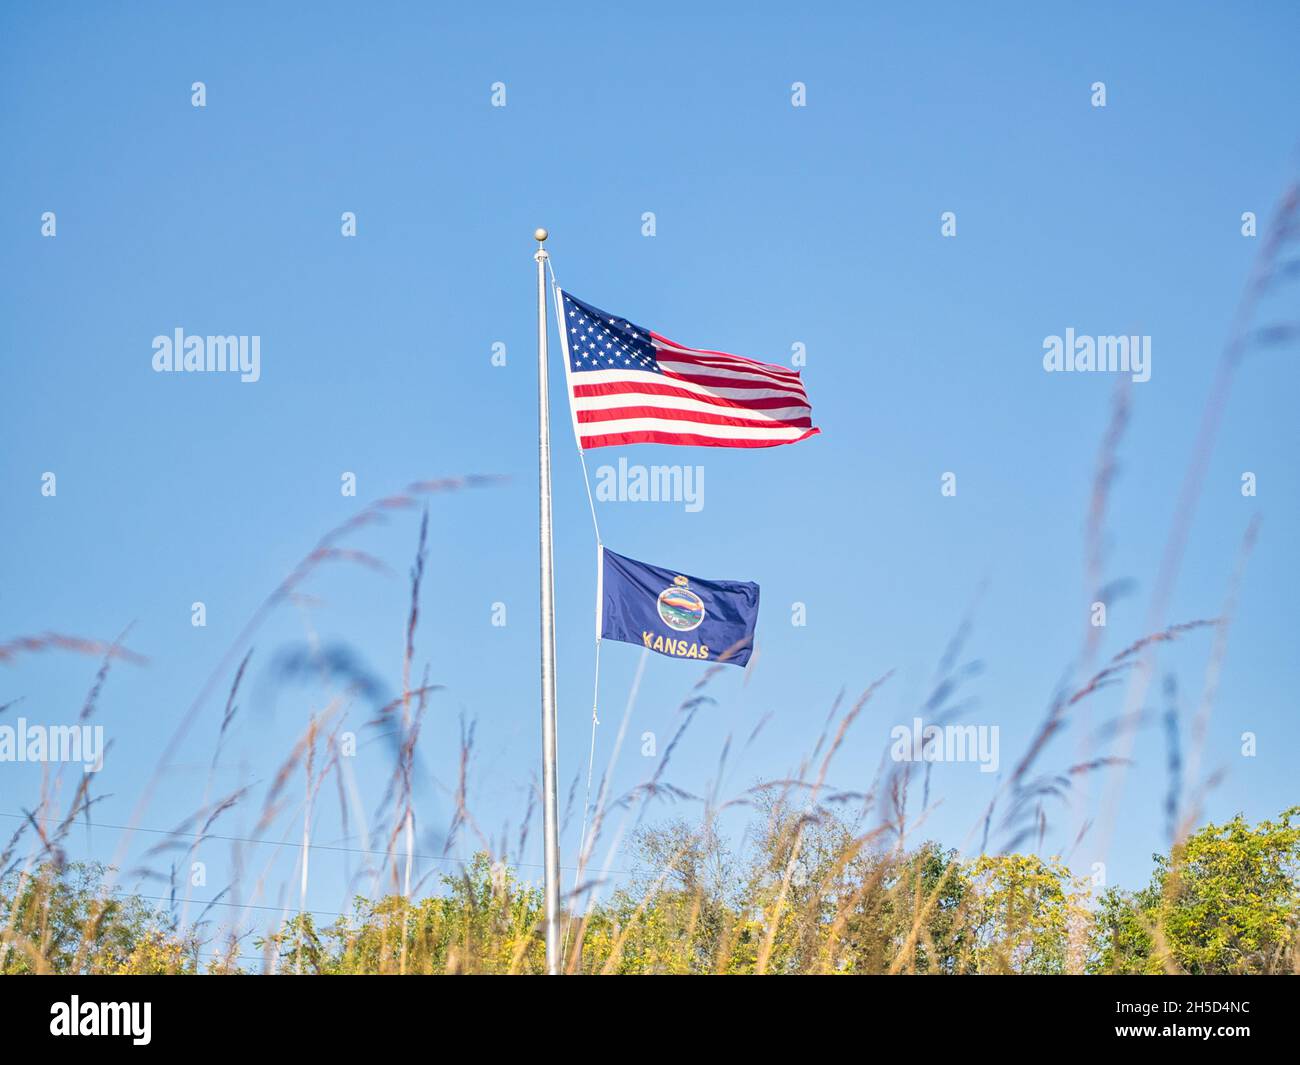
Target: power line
282,843
234,905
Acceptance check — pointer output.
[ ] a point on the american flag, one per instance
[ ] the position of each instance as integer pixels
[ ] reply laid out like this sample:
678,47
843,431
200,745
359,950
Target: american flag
628,385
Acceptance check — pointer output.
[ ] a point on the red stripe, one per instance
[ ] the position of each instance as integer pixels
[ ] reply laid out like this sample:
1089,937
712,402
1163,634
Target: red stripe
652,436
614,414
770,367
732,382
638,388
736,365
733,362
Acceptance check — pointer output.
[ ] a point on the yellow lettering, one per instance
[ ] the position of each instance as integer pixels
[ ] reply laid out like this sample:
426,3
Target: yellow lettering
672,646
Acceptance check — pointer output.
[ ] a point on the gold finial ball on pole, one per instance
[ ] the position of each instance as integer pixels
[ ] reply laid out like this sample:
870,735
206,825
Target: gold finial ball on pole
540,235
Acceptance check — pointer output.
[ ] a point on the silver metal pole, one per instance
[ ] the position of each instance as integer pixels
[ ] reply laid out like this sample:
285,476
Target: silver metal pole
550,803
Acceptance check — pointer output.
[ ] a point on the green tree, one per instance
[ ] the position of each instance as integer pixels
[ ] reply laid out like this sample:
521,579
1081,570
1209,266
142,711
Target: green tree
1227,900
1028,914
60,919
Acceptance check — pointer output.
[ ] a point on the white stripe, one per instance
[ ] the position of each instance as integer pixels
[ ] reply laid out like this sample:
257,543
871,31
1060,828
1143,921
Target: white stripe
581,403
725,367
612,377
725,372
723,358
665,425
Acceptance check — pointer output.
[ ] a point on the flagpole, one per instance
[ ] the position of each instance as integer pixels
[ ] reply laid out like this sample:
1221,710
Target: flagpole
550,804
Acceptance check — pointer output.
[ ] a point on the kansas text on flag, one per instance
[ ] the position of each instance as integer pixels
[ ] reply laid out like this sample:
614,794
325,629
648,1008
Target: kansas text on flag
673,614
628,385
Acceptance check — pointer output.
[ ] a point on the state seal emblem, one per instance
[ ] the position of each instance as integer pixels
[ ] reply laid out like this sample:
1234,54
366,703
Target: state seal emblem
679,607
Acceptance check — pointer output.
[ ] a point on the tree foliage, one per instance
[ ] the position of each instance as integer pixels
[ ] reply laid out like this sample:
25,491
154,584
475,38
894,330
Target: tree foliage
1226,900
806,894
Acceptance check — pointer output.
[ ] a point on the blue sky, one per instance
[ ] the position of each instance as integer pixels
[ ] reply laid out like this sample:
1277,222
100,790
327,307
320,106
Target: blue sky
775,225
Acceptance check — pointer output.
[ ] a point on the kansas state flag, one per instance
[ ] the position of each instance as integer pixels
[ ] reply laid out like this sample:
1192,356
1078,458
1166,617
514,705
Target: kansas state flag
676,615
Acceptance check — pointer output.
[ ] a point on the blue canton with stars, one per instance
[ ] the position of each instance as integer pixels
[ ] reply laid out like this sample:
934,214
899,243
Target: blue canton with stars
600,341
